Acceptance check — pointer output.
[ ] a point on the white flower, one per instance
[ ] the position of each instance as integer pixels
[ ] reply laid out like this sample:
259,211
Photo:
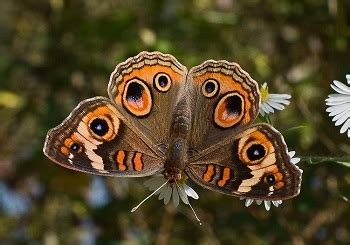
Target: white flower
166,190
267,203
175,190
270,102
339,105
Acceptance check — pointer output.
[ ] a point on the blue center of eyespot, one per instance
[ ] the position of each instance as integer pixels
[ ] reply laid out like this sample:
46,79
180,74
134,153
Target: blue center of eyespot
75,147
270,178
163,81
256,152
99,126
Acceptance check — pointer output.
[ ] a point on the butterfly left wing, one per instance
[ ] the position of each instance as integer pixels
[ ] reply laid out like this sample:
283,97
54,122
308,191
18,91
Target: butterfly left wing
253,164
96,139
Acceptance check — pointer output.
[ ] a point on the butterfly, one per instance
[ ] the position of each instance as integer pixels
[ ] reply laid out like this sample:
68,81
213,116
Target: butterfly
162,118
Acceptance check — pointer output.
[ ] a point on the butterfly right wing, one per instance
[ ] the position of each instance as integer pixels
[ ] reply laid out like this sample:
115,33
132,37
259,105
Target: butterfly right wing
96,139
253,164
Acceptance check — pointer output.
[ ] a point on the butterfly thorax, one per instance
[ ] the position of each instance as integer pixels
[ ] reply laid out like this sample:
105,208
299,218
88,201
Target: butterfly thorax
176,160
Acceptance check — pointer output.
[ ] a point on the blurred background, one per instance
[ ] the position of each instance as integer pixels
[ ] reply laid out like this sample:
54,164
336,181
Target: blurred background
53,54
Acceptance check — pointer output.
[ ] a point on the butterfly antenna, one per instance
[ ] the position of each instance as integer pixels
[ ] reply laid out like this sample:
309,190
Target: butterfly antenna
188,202
135,208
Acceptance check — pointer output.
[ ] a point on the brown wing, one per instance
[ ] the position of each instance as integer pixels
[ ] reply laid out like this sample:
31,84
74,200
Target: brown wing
145,90
96,139
253,164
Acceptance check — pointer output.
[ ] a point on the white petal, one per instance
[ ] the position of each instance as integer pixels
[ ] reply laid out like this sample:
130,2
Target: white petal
291,154
264,85
295,160
163,192
349,133
175,197
280,96
338,100
276,105
264,109
261,111
269,109
248,202
168,193
183,195
345,127
334,110
276,203
280,101
258,202
337,89
342,116
267,205
190,192
348,78
341,87
160,190
154,182
336,95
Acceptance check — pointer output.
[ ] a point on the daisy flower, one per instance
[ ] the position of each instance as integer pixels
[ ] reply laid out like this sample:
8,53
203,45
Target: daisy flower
267,203
339,105
272,102
170,190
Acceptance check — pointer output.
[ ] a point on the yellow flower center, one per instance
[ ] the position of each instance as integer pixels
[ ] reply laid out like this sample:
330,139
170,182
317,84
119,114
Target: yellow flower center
264,91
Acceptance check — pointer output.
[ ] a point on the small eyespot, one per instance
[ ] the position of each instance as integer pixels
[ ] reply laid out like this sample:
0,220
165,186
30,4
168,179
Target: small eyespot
270,179
75,147
256,152
210,88
99,126
162,82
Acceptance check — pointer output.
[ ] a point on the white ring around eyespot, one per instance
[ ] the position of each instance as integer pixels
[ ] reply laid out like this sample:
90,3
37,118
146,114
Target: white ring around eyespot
157,85
214,92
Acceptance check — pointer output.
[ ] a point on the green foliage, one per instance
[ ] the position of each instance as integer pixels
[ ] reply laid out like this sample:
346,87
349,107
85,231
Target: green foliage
56,53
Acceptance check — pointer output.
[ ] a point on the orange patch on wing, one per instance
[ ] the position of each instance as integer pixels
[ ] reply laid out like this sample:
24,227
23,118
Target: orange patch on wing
120,160
147,73
209,173
225,177
137,161
278,185
223,117
105,113
64,150
228,84
143,105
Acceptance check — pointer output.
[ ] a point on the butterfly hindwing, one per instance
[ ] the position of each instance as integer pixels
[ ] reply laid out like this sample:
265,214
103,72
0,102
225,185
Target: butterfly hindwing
253,164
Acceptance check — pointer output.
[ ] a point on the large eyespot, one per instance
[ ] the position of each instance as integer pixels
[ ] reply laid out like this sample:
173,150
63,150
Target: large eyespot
162,82
252,152
256,152
137,98
229,110
101,128
210,88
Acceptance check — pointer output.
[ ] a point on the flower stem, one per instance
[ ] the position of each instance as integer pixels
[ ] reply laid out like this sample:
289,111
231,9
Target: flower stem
345,161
